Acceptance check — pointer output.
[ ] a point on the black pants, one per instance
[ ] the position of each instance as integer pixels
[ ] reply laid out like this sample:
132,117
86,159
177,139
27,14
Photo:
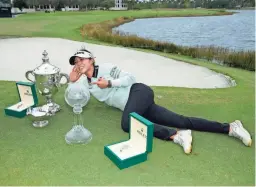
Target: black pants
141,101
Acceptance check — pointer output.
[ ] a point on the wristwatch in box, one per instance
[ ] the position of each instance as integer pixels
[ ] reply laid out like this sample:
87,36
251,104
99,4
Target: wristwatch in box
135,150
28,98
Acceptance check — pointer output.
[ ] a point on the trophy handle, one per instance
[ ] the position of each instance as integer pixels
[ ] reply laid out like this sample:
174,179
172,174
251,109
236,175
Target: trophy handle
66,76
27,75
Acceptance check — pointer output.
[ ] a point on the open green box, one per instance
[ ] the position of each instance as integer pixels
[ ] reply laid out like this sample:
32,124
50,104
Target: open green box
27,98
134,150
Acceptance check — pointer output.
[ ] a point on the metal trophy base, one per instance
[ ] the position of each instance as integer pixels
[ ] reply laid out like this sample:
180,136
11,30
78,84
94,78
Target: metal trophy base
78,135
53,108
41,114
40,123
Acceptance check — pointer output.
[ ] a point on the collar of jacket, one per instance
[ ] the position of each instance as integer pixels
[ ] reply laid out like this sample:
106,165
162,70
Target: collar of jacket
95,73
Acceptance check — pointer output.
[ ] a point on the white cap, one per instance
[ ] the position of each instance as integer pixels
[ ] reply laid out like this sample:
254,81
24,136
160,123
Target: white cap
81,54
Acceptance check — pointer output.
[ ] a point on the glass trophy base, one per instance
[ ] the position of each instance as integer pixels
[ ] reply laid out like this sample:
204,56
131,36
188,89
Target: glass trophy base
78,135
40,123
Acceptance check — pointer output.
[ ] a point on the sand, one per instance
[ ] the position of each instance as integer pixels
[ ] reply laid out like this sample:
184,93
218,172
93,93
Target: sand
19,55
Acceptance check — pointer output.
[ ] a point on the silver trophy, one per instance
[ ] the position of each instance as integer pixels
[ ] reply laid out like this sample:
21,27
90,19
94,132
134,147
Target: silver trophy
47,79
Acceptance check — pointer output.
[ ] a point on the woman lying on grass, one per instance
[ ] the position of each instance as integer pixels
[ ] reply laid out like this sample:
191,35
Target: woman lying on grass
119,89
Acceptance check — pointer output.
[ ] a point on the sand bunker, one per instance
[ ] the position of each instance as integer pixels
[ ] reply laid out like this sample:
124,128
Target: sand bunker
19,55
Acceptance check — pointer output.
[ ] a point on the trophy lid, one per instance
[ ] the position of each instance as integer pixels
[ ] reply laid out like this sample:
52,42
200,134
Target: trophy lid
46,67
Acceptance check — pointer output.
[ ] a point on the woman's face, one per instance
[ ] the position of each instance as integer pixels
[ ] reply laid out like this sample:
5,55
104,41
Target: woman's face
83,64
82,61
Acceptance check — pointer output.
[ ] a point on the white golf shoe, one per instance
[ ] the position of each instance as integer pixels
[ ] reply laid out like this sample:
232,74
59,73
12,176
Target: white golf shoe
184,138
237,130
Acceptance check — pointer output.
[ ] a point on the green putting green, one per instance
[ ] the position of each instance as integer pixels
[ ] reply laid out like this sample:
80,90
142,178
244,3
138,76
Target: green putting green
31,156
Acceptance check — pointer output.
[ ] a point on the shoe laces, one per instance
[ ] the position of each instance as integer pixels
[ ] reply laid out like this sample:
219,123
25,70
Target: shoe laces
180,139
236,130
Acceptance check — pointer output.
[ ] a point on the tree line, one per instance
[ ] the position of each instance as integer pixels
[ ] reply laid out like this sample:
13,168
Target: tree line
58,4
136,4
133,4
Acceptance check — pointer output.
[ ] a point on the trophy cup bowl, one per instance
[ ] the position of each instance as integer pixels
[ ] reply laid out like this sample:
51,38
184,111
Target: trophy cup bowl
48,86
38,116
47,79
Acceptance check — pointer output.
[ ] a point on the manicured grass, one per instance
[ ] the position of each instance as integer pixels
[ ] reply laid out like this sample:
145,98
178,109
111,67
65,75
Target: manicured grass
67,24
30,156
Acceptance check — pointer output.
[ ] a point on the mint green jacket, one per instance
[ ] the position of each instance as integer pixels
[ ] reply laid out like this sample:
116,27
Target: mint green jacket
116,96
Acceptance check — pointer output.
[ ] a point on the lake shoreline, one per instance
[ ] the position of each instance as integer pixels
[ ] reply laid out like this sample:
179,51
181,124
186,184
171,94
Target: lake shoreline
103,31
133,30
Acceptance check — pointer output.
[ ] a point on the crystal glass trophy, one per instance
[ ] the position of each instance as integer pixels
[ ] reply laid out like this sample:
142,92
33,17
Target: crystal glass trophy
77,96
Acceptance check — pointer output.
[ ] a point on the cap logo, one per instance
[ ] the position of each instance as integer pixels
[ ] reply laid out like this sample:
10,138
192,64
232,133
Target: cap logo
79,52
83,53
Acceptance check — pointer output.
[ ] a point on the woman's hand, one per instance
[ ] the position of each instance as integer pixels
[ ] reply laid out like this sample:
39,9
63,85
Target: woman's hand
75,74
102,83
77,71
82,69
